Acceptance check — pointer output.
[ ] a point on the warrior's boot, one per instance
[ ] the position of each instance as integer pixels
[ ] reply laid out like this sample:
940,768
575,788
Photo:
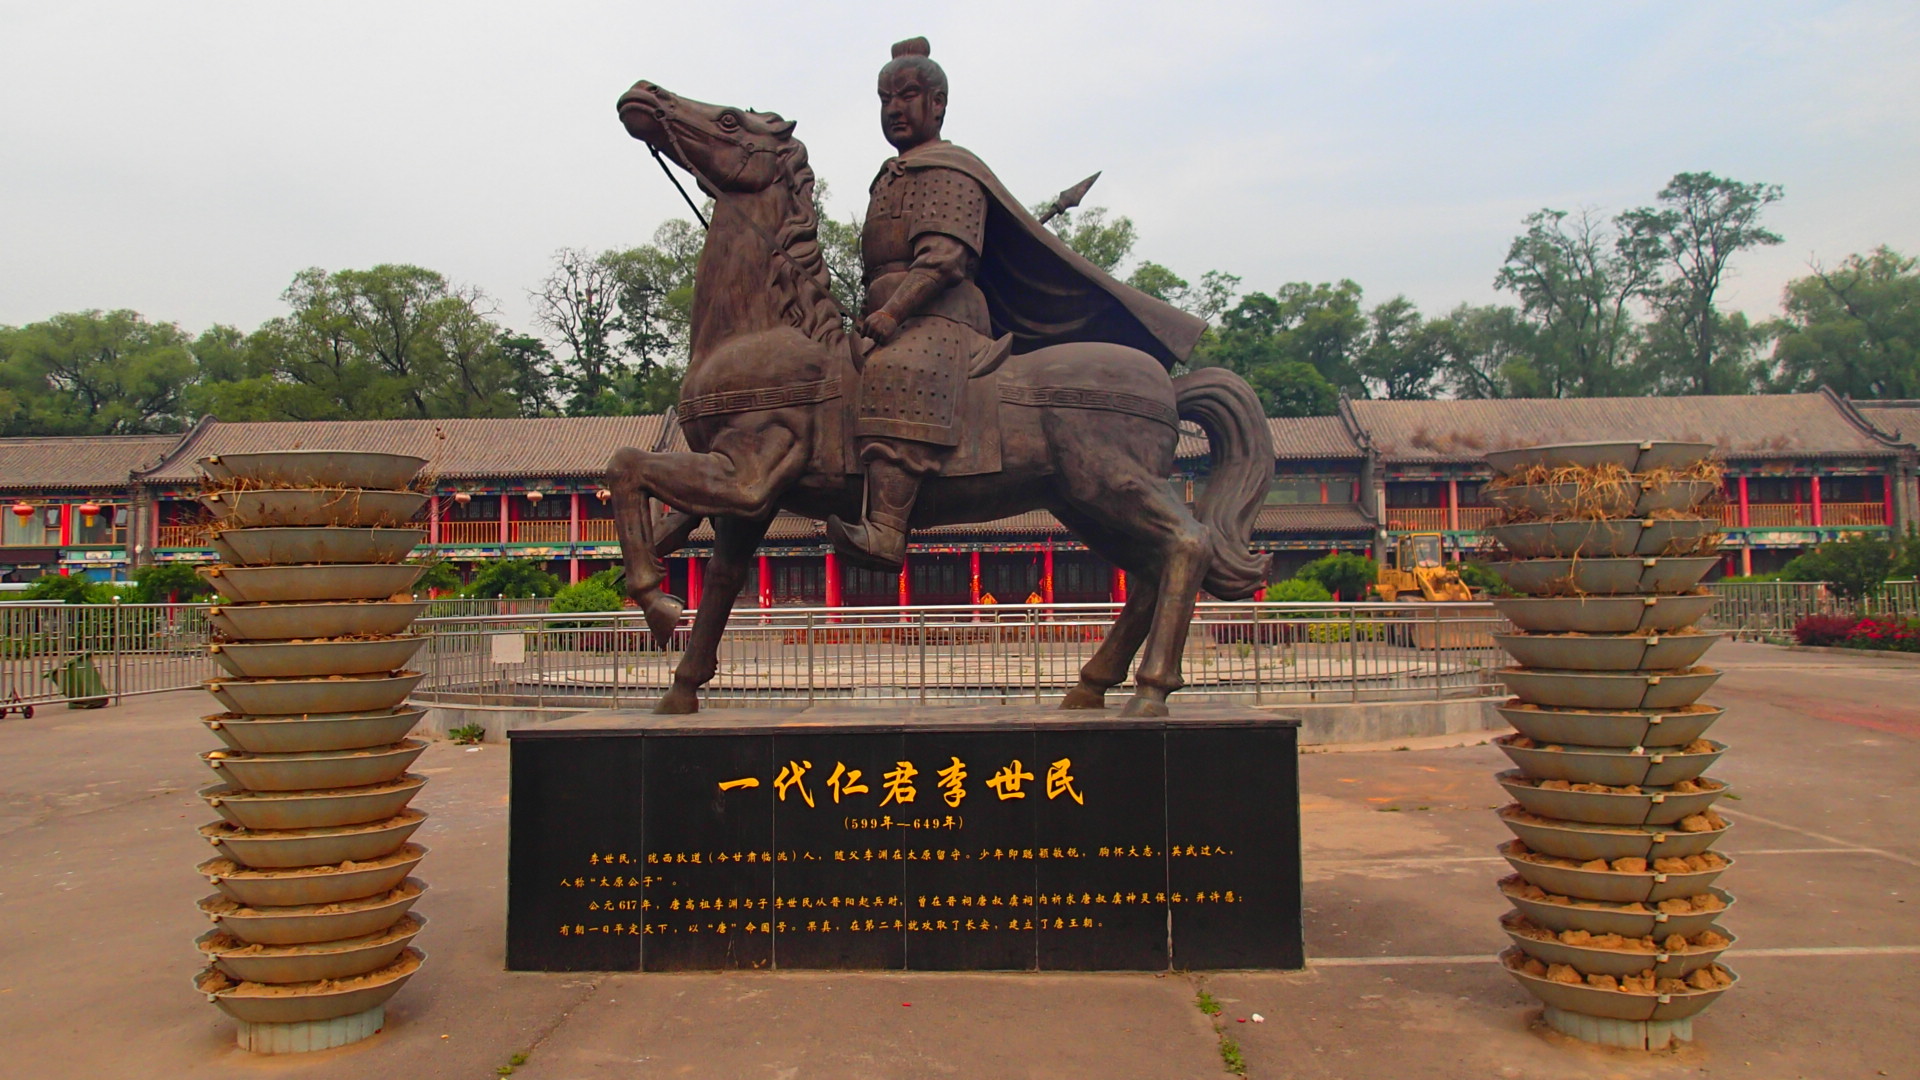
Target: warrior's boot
880,541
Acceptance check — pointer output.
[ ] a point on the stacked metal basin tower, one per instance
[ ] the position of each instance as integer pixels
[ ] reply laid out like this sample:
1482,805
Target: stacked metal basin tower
313,926
1615,914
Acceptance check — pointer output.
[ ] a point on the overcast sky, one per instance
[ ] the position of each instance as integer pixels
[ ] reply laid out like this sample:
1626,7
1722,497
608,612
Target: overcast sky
185,159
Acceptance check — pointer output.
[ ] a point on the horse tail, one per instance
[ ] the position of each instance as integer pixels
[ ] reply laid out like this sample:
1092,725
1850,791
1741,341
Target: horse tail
1228,410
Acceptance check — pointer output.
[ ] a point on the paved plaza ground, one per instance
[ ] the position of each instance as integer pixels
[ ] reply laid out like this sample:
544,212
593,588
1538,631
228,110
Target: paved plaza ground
97,845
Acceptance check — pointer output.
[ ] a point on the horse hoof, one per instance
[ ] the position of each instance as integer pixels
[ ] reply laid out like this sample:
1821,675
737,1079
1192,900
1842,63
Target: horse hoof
1144,707
676,702
1084,696
663,616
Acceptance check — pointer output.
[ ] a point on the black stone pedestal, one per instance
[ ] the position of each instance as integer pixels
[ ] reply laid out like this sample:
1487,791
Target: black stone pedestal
989,838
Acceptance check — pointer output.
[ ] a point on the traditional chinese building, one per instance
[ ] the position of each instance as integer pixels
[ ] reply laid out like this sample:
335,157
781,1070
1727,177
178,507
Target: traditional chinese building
1800,469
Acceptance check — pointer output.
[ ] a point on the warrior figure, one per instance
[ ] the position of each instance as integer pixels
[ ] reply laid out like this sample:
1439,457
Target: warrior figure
926,316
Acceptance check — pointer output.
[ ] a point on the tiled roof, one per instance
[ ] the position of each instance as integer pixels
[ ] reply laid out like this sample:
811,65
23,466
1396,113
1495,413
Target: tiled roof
1311,519
1295,438
455,449
1899,419
78,461
785,527
1031,523
1751,426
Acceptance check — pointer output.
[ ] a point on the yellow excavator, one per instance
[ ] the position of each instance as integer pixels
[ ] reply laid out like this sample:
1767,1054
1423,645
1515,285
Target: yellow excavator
1418,570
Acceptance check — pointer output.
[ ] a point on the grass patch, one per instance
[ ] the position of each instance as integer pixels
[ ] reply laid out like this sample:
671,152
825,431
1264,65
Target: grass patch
1205,1003
1230,1056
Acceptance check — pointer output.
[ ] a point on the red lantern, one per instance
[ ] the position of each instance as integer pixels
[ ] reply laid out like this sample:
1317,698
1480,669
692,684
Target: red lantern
89,511
463,497
603,494
23,510
535,495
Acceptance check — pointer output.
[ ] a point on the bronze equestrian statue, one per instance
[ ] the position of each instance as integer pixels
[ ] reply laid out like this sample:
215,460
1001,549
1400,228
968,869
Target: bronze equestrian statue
994,371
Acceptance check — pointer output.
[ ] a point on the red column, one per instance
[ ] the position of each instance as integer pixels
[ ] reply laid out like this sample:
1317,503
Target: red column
906,584
433,519
1746,561
573,521
766,582
1886,498
505,501
1816,500
1046,575
66,524
1453,505
1746,516
973,578
836,590
1119,586
694,580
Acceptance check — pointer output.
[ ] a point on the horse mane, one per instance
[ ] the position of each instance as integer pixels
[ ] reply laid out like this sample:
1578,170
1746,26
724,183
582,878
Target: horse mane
810,306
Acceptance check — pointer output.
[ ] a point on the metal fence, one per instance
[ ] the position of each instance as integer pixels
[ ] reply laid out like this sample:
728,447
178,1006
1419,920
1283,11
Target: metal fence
1247,652
90,653
1771,608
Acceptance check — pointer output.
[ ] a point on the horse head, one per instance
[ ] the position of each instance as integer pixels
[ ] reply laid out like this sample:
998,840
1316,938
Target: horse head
726,149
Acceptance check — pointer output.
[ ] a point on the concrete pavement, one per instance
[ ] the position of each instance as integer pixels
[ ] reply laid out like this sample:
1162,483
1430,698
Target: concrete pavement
97,845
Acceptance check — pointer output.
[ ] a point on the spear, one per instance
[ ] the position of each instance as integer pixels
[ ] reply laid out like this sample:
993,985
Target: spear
1067,199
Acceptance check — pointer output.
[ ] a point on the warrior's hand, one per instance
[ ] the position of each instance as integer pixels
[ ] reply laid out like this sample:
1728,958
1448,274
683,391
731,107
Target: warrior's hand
880,326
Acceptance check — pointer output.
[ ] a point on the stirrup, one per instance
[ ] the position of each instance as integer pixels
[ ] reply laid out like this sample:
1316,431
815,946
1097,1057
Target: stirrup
854,542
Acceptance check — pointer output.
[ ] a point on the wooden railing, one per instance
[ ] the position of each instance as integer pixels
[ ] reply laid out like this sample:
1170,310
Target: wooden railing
1416,518
177,536
1853,513
1475,518
1776,515
537,532
598,531
469,532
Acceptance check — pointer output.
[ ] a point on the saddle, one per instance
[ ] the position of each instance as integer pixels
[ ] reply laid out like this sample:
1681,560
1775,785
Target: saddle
978,452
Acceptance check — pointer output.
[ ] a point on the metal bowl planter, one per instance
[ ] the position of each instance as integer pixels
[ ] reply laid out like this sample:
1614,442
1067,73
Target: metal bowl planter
1626,727
1597,917
298,584
322,544
1627,499
313,884
312,809
1614,1004
1611,765
315,468
1615,962
309,962
313,771
279,622
303,923
1609,690
1604,577
1604,614
1634,457
1653,806
310,697
277,849
1607,652
291,507
1610,885
309,734
324,1003
292,659
1583,841
1603,539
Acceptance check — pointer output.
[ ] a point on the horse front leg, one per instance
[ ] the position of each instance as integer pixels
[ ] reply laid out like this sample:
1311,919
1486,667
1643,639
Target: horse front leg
734,541
1108,666
741,477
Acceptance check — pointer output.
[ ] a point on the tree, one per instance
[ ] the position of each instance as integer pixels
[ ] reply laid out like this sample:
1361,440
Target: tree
94,373
1105,242
1577,279
1855,328
1489,352
512,579
1296,346
1404,354
1702,223
1343,575
167,583
579,303
1207,300
1853,568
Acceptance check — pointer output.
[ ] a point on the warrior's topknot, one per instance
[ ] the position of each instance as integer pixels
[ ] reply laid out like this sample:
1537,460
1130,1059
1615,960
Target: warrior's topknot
917,54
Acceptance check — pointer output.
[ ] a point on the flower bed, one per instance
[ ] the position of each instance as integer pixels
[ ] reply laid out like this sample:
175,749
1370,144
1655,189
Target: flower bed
1849,632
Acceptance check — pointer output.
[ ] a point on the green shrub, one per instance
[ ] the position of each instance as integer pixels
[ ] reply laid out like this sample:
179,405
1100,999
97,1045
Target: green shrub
1297,591
167,583
588,595
74,589
1345,576
514,579
439,578
1479,578
1853,568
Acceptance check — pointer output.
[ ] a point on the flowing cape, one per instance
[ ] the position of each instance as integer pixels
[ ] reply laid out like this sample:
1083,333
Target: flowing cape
1043,292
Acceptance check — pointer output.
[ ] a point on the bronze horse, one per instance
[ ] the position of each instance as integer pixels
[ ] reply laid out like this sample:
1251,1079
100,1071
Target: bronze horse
765,401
